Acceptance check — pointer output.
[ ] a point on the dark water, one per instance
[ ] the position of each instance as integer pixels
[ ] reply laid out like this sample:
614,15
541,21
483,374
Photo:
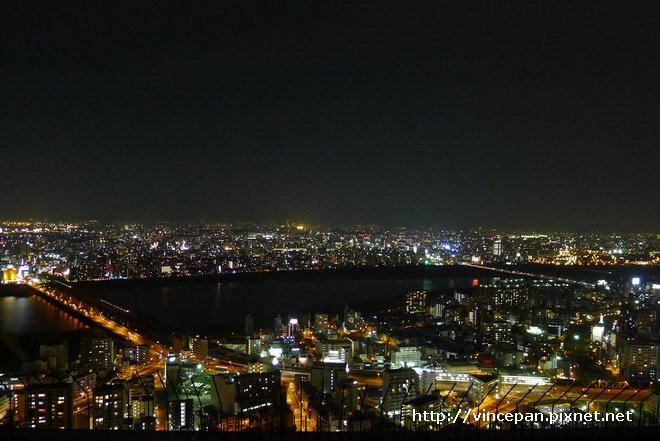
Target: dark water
30,315
212,304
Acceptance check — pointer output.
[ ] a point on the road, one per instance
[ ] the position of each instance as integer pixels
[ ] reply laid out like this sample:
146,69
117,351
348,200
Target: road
157,351
302,419
534,275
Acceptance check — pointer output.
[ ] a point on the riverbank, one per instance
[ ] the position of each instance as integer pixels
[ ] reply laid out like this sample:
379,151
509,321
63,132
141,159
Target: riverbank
362,273
578,272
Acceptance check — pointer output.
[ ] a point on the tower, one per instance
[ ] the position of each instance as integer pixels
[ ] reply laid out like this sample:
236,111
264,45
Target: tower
249,325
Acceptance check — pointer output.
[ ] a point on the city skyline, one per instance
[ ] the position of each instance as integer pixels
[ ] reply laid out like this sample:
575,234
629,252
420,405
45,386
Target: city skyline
104,251
510,116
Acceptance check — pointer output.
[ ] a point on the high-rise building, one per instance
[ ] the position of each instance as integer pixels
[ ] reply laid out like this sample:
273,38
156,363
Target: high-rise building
598,330
416,302
9,274
497,331
142,354
49,406
352,319
177,344
292,327
225,397
419,405
277,326
249,325
177,371
506,295
244,393
56,355
326,376
110,406
437,310
399,385
336,351
83,382
473,317
321,322
181,414
346,396
200,348
640,361
497,246
306,320
138,354
257,390
98,352
254,346
407,356
459,297
482,385
141,407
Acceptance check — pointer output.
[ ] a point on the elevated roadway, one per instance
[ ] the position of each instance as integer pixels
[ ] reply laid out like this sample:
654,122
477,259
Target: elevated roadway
533,275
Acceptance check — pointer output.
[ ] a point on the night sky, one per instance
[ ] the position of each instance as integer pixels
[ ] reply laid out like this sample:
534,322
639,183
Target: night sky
528,115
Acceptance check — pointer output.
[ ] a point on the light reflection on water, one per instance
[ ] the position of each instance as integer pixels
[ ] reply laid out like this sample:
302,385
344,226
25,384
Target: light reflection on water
23,316
209,304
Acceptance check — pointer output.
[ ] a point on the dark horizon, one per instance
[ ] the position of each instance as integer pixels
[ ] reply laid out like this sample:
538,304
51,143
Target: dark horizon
511,116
